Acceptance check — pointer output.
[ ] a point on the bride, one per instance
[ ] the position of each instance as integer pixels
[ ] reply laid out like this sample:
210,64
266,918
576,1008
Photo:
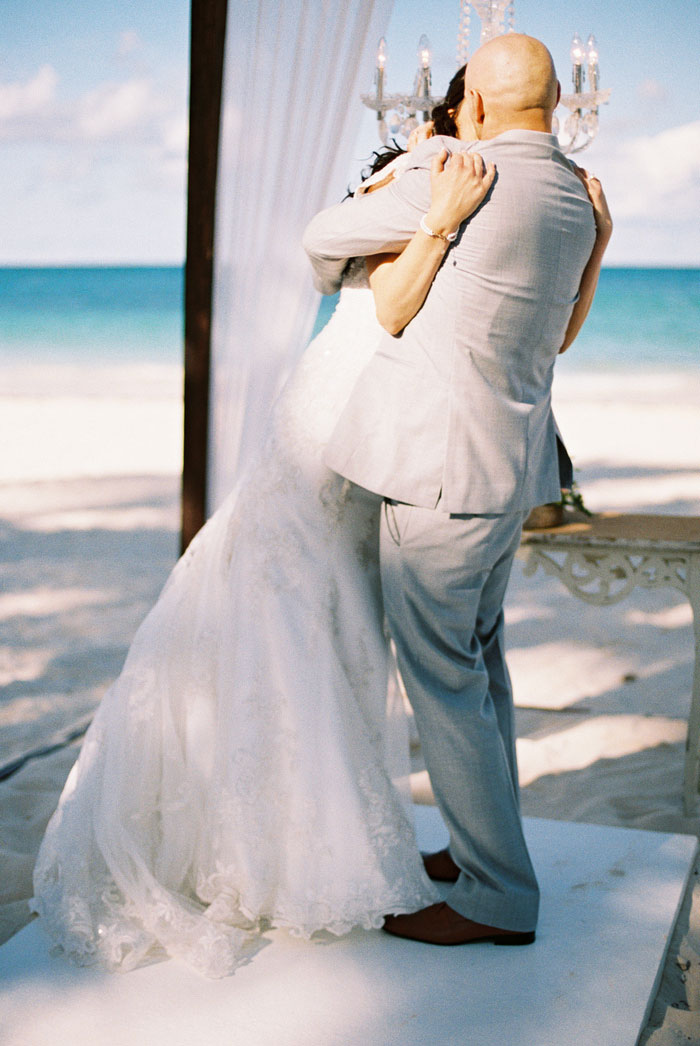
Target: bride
240,773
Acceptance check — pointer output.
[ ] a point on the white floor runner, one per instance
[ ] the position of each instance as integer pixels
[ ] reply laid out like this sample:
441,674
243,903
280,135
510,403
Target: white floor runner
610,899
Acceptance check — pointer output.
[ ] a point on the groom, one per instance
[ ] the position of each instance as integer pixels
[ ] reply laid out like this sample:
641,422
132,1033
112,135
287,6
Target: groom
451,423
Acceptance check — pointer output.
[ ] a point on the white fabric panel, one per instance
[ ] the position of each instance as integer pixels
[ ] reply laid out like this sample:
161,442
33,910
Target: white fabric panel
290,111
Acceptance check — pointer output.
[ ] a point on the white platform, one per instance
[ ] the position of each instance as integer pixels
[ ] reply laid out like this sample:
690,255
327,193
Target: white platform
610,900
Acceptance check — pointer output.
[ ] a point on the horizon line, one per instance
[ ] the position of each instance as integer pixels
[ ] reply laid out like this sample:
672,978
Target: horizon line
87,264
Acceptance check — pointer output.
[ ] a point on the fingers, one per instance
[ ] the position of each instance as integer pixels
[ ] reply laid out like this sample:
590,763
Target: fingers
437,164
489,175
589,180
419,134
581,173
484,172
591,184
473,163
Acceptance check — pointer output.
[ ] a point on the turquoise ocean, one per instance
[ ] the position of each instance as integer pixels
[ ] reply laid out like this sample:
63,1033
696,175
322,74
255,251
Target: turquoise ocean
642,319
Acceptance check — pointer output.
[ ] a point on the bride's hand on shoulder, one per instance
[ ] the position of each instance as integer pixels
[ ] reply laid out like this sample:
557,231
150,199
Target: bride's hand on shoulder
457,187
601,211
420,134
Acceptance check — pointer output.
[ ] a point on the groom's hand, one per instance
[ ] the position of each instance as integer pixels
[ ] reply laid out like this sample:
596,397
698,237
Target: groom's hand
457,187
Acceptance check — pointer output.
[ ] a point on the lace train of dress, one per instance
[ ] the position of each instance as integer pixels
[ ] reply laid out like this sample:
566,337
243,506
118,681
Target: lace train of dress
237,775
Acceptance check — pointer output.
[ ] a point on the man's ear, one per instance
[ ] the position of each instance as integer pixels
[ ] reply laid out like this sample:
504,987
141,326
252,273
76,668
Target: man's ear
558,94
476,108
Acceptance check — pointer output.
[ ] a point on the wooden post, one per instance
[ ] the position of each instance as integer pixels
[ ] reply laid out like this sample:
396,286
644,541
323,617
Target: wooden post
208,32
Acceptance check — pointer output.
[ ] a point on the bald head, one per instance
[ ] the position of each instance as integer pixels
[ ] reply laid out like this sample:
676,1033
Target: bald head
510,83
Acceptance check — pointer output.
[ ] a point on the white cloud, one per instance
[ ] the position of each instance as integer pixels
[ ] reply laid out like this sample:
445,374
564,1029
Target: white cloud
117,149
132,111
651,90
652,183
670,161
35,95
128,43
653,174
175,136
113,110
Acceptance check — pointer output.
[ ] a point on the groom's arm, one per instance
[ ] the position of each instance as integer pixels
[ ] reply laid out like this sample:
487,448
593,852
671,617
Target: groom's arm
374,223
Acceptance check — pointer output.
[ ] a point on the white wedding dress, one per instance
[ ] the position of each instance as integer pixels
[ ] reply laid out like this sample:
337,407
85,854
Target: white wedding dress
238,774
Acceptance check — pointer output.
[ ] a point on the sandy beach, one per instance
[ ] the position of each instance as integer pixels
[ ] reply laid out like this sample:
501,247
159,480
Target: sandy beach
89,515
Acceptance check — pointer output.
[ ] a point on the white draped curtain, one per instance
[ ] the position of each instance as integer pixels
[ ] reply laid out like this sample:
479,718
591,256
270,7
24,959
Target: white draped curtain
290,112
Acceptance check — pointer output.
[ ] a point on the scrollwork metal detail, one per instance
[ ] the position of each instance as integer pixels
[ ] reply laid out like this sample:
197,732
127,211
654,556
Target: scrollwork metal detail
606,576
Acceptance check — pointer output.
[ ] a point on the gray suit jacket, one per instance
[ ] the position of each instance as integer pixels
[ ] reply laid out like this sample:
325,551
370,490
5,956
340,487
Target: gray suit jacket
458,406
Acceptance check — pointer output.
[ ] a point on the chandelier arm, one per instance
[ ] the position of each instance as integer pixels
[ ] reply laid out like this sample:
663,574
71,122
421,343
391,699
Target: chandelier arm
396,113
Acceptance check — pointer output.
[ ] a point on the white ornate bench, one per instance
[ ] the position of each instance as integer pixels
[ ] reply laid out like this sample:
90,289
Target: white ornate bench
603,559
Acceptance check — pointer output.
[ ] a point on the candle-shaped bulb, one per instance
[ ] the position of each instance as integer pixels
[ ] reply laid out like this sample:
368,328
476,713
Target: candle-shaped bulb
592,56
592,50
425,53
577,50
379,77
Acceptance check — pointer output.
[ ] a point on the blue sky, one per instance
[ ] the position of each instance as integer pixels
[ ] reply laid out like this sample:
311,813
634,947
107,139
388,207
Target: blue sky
93,120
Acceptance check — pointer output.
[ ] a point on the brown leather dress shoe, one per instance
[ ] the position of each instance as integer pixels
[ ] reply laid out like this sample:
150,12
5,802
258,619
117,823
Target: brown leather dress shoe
441,867
440,924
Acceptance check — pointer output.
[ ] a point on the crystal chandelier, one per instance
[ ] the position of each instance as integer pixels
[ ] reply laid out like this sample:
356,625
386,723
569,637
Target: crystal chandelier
397,114
581,126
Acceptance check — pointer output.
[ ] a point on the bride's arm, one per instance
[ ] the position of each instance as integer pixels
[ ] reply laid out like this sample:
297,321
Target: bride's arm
401,282
589,279
374,223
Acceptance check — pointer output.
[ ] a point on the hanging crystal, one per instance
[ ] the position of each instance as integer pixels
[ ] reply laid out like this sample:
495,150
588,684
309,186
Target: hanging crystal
511,16
409,124
571,125
463,32
590,123
493,17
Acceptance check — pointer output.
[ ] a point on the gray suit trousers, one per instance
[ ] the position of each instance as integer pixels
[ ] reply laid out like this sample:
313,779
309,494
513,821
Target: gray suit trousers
444,579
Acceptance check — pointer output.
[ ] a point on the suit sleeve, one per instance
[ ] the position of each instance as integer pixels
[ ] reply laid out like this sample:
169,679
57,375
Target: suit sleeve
376,222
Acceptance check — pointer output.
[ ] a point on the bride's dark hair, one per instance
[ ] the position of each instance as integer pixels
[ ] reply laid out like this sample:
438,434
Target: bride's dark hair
442,116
